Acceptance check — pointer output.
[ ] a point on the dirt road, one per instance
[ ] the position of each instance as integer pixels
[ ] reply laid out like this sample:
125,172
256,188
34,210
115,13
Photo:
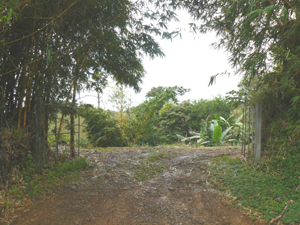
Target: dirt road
162,185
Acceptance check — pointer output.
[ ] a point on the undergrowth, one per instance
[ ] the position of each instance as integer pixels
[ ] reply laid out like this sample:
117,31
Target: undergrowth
267,192
26,184
151,167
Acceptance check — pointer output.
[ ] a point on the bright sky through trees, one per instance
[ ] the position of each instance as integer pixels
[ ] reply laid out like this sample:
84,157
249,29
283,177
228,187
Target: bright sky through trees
189,62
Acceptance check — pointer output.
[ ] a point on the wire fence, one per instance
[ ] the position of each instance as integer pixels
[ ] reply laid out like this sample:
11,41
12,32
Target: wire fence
56,132
251,133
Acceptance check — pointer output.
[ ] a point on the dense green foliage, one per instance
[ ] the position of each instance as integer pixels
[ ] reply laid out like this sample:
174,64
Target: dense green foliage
53,49
218,131
282,147
173,119
182,118
267,192
201,109
102,130
144,121
156,121
49,48
262,39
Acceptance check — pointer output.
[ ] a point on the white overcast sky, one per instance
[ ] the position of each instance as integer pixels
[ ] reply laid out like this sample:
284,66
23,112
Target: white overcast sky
189,62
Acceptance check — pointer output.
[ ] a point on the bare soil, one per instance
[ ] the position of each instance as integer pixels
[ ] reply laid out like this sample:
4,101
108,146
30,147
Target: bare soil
162,185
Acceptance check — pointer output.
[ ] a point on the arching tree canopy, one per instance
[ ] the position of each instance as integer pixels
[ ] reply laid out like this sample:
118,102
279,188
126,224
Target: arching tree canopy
262,37
49,47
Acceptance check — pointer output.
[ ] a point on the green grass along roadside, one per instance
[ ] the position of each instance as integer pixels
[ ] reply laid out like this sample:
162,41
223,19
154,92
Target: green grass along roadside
27,185
273,196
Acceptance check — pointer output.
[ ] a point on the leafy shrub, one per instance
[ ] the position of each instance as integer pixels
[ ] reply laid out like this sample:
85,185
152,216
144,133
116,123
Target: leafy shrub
102,130
15,149
201,109
217,132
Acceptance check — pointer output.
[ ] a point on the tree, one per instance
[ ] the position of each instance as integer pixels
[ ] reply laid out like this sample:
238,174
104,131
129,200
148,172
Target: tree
99,82
120,100
102,130
172,120
144,122
54,46
262,37
201,109
50,48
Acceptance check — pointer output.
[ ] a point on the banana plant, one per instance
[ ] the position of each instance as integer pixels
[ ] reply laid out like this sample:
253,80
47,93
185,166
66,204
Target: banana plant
212,132
202,137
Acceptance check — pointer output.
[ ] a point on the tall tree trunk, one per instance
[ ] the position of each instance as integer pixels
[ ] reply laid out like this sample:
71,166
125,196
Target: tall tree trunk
39,136
73,122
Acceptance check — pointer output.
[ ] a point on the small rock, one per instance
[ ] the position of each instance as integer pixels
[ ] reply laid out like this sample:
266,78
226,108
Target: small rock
126,188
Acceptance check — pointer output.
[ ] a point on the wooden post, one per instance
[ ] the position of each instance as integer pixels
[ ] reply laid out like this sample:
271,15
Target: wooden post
72,140
78,131
2,169
39,136
72,133
55,136
243,134
252,135
258,123
249,132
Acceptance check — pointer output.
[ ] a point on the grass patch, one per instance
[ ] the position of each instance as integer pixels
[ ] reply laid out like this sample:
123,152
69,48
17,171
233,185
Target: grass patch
261,191
54,177
150,167
147,170
157,155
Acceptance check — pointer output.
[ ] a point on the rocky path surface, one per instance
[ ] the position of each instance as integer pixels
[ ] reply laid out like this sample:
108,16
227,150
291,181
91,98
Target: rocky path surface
162,185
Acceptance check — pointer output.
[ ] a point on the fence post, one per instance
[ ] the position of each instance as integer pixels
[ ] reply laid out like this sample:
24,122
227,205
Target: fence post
39,136
2,169
78,131
258,123
55,137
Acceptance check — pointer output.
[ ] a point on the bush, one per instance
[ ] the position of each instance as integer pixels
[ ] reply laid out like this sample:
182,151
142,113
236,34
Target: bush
15,147
102,130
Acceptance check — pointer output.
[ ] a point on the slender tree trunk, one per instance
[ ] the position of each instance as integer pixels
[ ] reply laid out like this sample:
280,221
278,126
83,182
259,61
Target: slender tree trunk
39,136
73,122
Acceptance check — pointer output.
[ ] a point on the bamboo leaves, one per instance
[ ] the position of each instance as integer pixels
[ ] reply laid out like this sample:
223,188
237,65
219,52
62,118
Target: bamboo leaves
259,35
59,41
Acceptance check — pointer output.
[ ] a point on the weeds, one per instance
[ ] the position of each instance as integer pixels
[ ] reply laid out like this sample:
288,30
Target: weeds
261,191
157,155
150,167
147,170
160,155
30,185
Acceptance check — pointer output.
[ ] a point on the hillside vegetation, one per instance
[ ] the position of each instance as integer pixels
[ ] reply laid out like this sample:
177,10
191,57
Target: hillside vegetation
50,50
